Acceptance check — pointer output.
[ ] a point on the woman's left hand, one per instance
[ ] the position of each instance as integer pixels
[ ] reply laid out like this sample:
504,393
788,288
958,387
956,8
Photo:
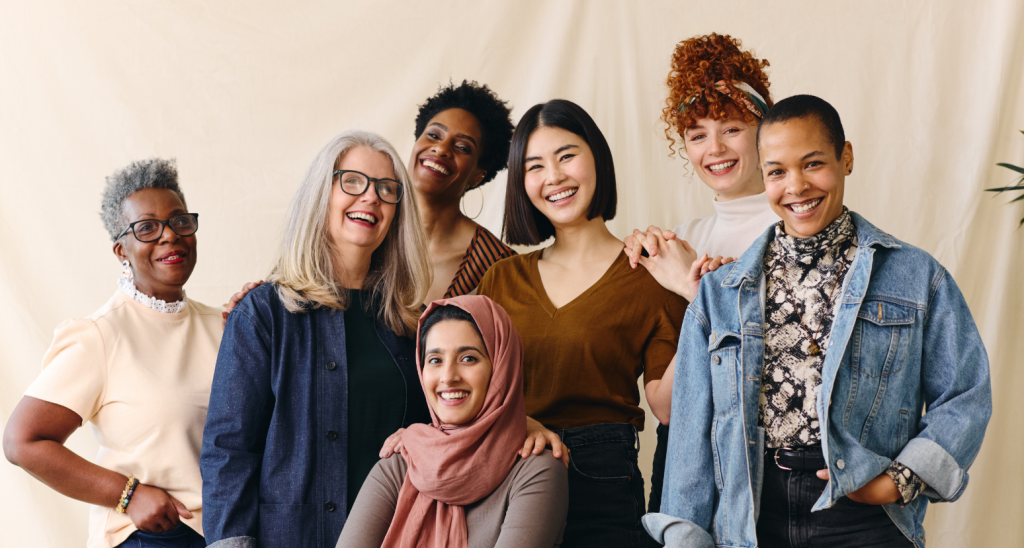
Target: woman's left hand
881,490
538,437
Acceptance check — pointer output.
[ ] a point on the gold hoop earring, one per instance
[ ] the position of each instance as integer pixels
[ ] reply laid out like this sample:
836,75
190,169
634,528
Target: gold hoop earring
462,202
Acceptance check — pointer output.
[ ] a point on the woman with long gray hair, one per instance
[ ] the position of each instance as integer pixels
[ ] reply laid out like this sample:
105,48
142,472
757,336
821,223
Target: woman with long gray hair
139,370
317,367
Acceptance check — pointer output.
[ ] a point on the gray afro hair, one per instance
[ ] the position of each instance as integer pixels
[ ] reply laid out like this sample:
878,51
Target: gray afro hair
151,173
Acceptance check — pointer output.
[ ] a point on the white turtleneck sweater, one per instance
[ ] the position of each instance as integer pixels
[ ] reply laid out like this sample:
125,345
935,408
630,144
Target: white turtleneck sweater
732,229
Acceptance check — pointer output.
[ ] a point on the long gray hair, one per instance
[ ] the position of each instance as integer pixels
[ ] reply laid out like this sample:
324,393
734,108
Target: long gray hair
400,271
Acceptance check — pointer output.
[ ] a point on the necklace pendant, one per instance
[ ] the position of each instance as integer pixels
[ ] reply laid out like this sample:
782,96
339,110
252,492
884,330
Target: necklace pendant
812,349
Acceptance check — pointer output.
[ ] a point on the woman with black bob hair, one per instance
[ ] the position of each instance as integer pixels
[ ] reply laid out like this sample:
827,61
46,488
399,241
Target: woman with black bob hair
462,139
590,324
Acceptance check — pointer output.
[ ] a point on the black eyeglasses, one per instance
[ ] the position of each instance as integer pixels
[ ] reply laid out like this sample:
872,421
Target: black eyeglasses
355,183
150,230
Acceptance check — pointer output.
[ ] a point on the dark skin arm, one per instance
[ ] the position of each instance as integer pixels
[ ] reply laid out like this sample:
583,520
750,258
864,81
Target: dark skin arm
34,440
881,490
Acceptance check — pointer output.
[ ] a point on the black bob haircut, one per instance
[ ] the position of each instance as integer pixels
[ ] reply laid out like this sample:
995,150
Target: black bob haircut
524,224
493,115
807,106
446,313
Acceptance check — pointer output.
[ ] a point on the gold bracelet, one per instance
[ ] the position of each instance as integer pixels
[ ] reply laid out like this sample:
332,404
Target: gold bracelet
126,495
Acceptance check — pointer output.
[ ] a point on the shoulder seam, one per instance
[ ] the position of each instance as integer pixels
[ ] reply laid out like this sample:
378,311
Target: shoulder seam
936,282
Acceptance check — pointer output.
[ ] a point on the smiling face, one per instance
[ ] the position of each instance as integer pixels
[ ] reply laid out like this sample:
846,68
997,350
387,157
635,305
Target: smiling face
456,371
802,176
163,266
360,223
560,177
444,157
724,156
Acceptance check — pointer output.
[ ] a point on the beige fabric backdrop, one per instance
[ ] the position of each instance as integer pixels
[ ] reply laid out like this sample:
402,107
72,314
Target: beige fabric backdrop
244,93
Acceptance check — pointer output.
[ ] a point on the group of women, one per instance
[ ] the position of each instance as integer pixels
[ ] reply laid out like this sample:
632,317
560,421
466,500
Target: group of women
512,400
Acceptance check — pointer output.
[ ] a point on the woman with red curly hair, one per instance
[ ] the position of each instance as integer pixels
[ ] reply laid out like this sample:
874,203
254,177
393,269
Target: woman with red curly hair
718,94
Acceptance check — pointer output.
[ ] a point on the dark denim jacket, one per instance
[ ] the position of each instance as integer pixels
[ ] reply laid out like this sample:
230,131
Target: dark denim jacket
274,457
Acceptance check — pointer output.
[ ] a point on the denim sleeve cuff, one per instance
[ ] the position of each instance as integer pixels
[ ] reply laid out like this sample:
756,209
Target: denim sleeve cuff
234,542
938,469
676,532
907,482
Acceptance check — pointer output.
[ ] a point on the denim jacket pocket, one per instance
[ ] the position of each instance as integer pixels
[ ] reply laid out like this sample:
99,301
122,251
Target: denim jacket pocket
724,347
883,329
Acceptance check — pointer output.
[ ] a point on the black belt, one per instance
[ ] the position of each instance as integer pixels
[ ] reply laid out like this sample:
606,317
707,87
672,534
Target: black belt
798,458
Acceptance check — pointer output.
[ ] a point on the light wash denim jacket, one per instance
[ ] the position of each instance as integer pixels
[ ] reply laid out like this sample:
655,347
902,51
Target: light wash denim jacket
902,340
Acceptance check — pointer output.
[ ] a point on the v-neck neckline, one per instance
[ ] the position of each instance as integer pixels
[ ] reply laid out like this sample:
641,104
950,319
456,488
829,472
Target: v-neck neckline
542,291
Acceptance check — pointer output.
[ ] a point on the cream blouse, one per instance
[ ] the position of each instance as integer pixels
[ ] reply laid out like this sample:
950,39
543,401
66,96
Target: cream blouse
141,378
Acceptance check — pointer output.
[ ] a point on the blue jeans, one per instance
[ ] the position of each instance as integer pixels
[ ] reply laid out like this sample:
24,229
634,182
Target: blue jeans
786,519
181,536
606,490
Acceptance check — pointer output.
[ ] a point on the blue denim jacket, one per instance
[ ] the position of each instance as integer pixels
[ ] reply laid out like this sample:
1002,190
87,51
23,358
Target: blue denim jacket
276,440
902,341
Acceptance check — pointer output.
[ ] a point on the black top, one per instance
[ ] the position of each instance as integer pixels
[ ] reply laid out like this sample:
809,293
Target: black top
376,393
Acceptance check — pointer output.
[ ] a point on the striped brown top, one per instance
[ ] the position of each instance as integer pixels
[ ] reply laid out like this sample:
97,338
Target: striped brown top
485,250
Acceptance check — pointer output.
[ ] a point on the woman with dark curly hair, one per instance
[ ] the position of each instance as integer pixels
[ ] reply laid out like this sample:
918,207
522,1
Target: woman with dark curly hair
462,140
139,370
718,94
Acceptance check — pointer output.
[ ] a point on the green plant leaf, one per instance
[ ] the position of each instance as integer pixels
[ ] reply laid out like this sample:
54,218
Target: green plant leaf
1017,199
1005,189
1018,169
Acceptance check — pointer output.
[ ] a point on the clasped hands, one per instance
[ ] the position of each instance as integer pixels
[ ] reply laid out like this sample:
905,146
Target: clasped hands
673,263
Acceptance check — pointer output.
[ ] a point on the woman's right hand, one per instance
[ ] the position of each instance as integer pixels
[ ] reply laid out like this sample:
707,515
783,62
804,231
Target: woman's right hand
237,298
538,437
152,510
392,445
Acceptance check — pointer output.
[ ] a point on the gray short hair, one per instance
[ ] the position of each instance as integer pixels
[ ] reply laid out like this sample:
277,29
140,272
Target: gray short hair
151,173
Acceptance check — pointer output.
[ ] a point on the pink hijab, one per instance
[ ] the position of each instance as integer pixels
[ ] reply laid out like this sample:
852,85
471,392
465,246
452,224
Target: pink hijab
451,466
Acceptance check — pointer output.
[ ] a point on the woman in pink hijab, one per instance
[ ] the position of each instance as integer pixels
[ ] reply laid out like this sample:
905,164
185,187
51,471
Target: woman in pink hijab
459,482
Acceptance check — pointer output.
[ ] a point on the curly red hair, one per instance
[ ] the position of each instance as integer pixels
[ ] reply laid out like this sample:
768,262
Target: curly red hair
697,64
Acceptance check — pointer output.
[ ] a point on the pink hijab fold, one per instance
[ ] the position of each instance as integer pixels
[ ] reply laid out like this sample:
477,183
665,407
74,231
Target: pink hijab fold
451,466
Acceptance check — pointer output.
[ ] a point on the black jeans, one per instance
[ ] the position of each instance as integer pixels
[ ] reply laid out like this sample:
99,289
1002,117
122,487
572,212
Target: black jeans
181,536
606,490
658,468
786,519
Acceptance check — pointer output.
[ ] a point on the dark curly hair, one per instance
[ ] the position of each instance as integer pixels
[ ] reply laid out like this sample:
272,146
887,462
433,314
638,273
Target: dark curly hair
493,114
697,64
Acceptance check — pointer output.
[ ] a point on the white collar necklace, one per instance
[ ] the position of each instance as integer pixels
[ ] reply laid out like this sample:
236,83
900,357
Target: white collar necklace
128,287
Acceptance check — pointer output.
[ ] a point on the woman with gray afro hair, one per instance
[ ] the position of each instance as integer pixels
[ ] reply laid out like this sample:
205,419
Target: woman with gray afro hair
151,173
139,369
